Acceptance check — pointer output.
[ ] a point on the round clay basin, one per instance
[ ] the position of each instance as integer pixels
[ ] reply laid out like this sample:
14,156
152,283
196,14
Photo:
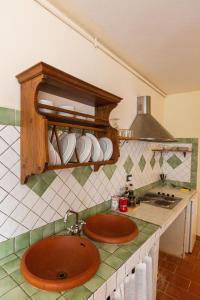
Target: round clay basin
110,229
59,263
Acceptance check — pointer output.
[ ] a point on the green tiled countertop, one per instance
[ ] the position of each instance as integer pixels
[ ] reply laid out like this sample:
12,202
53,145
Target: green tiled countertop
113,256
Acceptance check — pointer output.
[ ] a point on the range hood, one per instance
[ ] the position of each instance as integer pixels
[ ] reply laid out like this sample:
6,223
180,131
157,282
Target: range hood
145,127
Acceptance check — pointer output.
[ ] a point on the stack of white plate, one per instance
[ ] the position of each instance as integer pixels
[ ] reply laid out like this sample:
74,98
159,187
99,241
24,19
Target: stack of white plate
107,147
68,107
46,102
74,147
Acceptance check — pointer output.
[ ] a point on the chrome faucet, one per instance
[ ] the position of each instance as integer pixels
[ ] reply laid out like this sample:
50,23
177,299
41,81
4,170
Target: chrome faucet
76,228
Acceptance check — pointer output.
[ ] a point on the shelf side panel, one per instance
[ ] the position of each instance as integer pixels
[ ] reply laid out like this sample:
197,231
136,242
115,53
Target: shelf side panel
34,132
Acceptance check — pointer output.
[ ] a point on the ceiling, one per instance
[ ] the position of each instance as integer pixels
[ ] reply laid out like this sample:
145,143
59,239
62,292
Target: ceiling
158,38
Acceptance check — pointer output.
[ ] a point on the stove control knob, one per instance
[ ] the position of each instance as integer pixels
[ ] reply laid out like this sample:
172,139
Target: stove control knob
158,193
173,196
167,195
163,194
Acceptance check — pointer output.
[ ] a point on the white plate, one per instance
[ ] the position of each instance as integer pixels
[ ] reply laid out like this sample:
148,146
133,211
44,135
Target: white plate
68,107
83,148
54,158
101,155
46,102
107,147
96,149
67,146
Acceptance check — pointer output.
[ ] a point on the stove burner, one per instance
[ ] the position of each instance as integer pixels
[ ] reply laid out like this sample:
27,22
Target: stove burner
160,199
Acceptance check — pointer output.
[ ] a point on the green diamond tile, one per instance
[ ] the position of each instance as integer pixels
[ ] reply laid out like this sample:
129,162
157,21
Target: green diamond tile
79,293
152,161
82,174
128,165
7,116
105,271
109,170
48,176
6,284
161,160
40,183
40,187
32,180
174,161
94,283
16,293
142,163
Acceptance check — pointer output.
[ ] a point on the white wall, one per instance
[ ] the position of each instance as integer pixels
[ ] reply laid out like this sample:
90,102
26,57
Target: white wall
30,34
182,119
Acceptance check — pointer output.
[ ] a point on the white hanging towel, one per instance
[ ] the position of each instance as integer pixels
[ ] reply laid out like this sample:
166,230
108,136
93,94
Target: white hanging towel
140,282
122,290
116,295
129,287
149,277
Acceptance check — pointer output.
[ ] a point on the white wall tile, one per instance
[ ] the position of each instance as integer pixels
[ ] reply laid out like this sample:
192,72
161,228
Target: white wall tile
9,181
65,192
30,220
20,212
20,191
8,204
30,199
8,227
3,145
9,134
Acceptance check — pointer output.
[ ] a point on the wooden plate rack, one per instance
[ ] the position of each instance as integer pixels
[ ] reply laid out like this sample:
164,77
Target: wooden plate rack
35,124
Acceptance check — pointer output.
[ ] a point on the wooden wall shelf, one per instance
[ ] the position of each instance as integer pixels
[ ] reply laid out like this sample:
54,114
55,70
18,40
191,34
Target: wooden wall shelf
34,124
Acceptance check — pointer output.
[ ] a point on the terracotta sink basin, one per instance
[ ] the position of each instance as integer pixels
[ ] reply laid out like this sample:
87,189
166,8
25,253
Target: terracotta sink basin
111,229
59,263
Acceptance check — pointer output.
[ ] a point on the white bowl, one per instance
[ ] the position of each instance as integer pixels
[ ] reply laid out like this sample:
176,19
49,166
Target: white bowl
46,102
69,107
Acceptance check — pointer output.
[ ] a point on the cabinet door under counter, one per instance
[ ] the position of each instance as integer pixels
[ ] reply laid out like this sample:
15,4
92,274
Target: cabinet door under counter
179,238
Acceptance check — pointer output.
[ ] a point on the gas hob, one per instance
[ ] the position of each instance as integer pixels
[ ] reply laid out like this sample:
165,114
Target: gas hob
160,199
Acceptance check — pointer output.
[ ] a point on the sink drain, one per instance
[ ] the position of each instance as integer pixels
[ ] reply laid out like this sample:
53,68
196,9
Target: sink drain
61,275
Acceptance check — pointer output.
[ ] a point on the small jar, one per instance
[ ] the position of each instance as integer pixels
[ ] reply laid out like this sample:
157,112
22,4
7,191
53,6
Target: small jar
123,204
115,202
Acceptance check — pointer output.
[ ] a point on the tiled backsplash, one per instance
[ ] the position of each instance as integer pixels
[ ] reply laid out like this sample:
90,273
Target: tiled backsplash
47,197
182,169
